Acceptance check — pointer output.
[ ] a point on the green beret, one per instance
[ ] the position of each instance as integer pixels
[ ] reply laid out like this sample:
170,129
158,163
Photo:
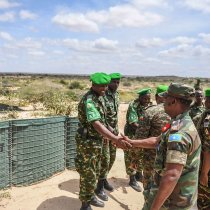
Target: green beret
181,91
161,89
115,76
144,91
100,78
207,92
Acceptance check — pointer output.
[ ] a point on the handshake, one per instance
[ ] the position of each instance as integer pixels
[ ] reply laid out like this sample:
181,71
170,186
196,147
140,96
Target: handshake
122,142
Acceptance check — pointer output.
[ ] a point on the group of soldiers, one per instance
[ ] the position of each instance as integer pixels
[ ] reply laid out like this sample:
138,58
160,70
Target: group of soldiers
162,144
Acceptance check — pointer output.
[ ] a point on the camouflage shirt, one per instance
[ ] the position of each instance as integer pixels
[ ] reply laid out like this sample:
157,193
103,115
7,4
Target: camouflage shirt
112,105
91,108
179,144
196,110
135,114
154,119
203,127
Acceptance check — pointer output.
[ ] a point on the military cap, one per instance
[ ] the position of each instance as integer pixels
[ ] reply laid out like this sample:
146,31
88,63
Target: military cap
100,78
144,91
207,92
161,89
182,91
115,76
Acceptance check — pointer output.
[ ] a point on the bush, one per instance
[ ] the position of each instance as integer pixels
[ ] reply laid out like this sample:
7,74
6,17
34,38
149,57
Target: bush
75,85
127,84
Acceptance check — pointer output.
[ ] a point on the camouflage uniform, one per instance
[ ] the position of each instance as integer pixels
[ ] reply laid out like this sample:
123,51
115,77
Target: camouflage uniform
133,157
203,128
108,150
89,143
155,119
179,144
196,110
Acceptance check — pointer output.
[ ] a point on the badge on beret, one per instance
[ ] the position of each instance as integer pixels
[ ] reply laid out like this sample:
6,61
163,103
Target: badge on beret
175,137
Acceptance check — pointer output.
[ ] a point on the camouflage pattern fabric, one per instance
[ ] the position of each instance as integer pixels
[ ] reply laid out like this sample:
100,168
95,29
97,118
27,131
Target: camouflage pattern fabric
108,150
133,157
89,143
196,110
154,121
203,128
179,144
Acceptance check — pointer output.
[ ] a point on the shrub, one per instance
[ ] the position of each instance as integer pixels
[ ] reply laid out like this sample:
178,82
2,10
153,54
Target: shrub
75,85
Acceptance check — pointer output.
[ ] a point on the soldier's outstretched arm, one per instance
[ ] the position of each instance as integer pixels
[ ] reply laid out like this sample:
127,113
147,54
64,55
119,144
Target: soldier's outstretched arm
118,140
149,143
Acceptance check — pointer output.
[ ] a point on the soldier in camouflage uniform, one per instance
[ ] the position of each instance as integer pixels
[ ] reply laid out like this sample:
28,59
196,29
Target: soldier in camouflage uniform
198,107
135,117
109,150
176,168
89,139
155,119
203,128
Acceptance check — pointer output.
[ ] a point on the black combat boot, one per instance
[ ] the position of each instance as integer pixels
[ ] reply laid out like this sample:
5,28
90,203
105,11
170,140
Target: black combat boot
99,191
139,176
95,202
134,184
107,186
86,206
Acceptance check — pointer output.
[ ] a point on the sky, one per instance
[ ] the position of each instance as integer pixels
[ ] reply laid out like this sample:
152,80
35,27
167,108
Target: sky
133,37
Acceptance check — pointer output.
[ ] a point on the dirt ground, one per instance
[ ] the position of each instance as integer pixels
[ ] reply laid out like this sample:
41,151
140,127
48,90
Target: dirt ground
61,191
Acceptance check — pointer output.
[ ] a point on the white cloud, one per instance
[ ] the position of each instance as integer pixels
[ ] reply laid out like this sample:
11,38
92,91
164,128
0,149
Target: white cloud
105,44
205,37
201,51
29,43
125,15
147,43
25,14
6,36
200,5
36,53
183,51
183,40
75,22
5,4
179,51
99,45
7,17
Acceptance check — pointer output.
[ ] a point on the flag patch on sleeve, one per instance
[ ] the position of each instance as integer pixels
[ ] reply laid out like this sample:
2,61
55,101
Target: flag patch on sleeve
175,138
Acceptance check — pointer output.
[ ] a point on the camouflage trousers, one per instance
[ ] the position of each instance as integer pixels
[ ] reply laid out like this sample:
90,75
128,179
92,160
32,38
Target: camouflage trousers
203,197
133,161
112,150
148,165
107,159
87,163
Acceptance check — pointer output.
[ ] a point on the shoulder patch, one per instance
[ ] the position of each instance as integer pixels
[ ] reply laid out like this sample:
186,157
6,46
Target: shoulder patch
175,137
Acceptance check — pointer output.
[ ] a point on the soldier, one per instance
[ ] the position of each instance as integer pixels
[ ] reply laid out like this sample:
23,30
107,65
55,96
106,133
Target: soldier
178,149
134,117
89,139
203,127
109,150
198,107
155,119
